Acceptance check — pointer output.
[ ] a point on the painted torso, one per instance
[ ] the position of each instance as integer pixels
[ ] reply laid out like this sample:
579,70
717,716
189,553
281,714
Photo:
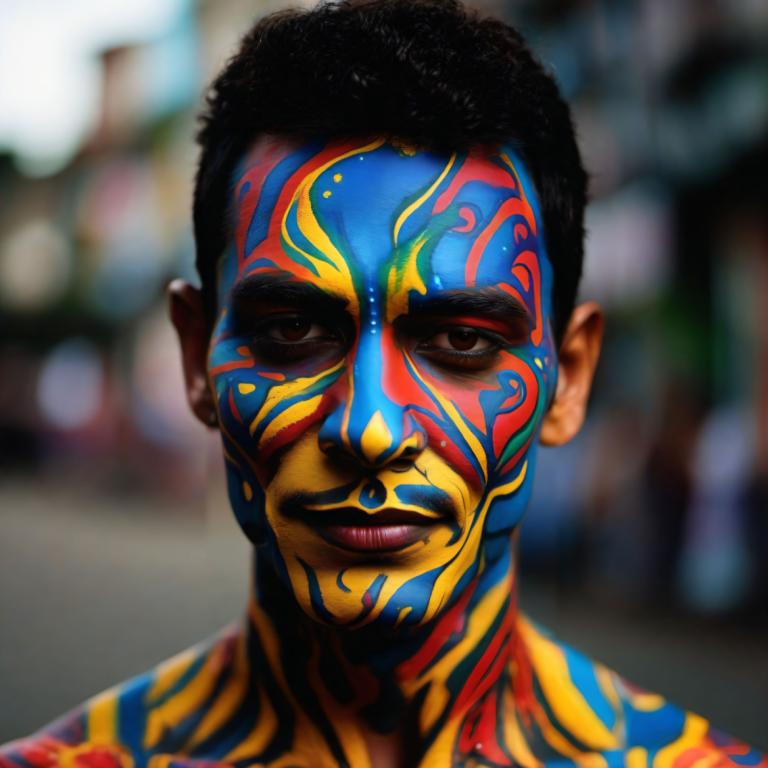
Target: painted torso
552,706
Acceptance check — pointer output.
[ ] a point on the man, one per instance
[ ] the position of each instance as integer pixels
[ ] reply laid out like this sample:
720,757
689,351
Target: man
388,216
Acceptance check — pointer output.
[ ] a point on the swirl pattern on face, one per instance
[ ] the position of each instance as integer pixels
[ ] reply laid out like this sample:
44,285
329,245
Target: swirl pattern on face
383,352
381,362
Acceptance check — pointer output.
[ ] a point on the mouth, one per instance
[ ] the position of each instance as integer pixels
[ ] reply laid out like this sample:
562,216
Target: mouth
351,529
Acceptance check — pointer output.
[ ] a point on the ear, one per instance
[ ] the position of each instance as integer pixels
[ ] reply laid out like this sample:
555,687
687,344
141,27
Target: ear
185,303
577,361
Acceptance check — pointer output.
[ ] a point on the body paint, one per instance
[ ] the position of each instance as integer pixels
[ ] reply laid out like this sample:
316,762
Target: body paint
387,232
427,635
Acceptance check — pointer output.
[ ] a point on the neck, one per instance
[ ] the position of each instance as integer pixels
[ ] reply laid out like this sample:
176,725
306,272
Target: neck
442,686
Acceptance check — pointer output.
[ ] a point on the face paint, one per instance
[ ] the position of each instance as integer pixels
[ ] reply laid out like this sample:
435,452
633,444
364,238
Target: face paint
381,362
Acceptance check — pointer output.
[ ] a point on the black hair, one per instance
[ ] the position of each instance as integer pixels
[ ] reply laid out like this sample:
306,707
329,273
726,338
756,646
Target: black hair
431,73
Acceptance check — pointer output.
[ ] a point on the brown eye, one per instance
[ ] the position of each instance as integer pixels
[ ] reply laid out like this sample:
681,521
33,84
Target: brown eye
292,329
463,339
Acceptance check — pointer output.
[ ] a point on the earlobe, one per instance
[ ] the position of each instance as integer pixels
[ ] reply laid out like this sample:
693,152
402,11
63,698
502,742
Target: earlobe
577,361
187,313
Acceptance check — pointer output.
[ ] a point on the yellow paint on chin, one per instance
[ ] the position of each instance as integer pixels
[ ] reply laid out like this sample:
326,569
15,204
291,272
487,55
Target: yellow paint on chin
304,468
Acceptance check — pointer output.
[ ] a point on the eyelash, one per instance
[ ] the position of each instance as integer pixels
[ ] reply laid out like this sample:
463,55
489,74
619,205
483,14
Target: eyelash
464,359
286,352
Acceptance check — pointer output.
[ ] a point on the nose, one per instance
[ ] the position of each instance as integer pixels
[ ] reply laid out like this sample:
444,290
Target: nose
368,425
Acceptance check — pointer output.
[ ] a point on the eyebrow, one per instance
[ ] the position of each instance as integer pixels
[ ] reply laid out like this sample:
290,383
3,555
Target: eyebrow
254,290
488,302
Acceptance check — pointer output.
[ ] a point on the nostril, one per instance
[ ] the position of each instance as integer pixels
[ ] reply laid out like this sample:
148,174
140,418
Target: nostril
402,464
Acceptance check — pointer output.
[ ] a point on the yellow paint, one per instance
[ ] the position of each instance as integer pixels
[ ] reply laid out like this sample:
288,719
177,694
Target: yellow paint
404,278
260,735
280,392
161,761
479,622
416,204
337,177
567,702
351,737
246,389
288,417
226,703
637,757
312,742
646,702
694,731
513,734
336,276
453,413
303,468
102,717
376,438
327,193
169,672
247,491
178,707
606,681
538,363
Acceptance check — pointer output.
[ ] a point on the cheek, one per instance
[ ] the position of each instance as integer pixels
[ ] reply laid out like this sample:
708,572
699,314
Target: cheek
262,410
484,429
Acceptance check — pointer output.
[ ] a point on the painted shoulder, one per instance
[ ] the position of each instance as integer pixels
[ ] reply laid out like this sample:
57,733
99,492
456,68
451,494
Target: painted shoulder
577,709
123,726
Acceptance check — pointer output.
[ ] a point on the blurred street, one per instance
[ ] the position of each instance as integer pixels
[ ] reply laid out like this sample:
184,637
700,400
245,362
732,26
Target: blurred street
94,590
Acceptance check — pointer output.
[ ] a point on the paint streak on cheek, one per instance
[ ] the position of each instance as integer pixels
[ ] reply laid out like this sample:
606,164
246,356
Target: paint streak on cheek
517,411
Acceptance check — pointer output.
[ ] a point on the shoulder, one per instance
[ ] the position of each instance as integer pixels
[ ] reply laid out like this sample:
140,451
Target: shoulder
580,707
113,728
44,751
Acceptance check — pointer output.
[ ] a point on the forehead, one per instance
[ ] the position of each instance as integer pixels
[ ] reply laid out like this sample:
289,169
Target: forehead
305,207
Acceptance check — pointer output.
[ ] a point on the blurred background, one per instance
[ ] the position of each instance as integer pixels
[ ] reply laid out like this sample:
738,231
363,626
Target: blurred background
647,541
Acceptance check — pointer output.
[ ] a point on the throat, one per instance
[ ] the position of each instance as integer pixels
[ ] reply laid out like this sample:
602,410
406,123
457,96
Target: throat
386,691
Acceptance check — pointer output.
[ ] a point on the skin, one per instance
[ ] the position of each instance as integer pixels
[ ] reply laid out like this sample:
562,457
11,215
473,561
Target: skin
383,345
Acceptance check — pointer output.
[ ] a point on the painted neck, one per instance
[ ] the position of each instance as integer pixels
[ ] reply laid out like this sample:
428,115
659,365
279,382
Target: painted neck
434,677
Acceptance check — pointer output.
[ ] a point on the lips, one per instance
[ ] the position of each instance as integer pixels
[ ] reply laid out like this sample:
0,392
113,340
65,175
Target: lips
387,530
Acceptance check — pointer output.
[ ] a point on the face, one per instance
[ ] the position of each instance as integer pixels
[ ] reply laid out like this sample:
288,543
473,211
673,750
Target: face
381,363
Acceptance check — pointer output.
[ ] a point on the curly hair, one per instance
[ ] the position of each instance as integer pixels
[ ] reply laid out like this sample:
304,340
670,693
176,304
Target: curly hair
428,72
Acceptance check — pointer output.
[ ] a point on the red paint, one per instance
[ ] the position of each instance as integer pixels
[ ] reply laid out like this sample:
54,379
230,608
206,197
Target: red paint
472,170
527,264
451,623
233,365
520,232
508,209
470,219
233,407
